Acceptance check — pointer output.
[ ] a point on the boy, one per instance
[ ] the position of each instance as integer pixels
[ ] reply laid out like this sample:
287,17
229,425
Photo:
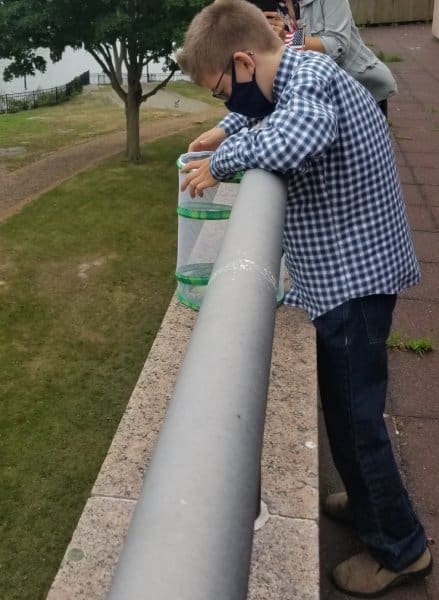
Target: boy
347,247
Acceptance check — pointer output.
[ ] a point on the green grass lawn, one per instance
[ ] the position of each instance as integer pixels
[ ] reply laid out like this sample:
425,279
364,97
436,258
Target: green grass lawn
86,274
87,115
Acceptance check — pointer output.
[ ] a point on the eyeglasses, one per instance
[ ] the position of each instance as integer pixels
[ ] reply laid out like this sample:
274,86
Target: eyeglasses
215,93
221,95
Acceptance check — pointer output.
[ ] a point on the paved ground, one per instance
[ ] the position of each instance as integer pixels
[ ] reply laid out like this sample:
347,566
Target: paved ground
413,406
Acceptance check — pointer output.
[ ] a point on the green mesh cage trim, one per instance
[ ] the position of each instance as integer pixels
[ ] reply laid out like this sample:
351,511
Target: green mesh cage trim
204,211
187,302
195,274
280,300
236,178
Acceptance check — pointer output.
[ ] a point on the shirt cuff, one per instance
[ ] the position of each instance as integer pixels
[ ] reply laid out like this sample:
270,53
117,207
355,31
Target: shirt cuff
333,47
224,162
233,123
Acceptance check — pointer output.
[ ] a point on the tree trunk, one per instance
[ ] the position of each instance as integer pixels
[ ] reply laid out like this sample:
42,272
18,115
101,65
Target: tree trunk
118,70
118,57
132,107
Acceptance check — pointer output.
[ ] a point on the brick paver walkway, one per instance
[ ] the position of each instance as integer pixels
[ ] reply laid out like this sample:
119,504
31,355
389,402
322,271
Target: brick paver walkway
413,406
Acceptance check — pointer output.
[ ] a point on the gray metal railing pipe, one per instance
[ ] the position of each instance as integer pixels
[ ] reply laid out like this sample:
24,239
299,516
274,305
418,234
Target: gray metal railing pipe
191,534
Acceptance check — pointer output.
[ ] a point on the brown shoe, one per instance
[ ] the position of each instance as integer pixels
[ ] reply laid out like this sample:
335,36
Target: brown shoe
363,577
337,507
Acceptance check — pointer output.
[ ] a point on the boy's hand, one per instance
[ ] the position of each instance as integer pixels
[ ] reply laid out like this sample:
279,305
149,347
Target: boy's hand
198,178
209,140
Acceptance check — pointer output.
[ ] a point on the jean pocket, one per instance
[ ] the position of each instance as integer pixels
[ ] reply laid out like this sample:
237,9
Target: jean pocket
377,313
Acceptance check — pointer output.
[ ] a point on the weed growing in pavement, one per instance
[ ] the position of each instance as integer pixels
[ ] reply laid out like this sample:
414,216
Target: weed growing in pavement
419,346
389,58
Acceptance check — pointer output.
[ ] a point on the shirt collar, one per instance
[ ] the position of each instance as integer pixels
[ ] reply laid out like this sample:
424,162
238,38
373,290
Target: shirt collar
287,65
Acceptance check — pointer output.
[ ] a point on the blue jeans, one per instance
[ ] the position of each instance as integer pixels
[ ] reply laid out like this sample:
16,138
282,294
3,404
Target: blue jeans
352,373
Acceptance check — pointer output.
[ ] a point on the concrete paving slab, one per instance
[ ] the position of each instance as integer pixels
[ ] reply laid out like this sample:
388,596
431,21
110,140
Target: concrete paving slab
420,466
421,218
413,379
431,524
285,561
406,175
417,318
419,462
431,193
289,462
418,143
412,195
426,246
400,159
427,96
89,562
413,385
416,106
423,159
413,130
427,175
405,111
428,287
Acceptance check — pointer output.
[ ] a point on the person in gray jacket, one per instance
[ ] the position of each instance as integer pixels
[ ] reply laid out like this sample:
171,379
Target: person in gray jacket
330,28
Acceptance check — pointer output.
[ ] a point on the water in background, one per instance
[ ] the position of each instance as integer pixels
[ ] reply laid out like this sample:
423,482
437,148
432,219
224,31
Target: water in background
73,63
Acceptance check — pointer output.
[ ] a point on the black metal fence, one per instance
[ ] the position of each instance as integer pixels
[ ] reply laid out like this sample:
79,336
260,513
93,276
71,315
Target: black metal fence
11,103
102,79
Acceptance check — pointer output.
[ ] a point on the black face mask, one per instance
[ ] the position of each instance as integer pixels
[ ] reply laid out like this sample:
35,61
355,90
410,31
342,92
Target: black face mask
247,98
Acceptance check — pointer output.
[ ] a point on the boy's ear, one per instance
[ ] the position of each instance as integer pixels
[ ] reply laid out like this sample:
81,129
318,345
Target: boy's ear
244,63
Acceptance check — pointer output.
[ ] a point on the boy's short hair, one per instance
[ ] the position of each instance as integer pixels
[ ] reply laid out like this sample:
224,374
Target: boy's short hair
219,30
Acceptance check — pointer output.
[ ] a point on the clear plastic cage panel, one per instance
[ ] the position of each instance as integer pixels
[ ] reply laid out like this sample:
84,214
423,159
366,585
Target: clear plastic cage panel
202,222
200,233
280,294
182,161
201,226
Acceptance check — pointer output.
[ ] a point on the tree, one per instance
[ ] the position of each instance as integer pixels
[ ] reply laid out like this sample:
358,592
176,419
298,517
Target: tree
128,33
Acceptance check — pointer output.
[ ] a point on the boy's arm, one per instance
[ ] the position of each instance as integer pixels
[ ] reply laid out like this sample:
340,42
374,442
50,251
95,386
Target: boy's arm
302,128
211,139
233,122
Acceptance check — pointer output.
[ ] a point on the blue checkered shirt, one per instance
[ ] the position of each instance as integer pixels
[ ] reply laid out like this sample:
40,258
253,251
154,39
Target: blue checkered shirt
346,233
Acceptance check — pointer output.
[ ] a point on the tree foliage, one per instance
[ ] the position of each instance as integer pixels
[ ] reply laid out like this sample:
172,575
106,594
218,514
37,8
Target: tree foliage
120,34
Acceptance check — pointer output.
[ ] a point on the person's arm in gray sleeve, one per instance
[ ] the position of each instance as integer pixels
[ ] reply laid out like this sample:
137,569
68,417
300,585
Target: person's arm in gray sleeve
335,39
